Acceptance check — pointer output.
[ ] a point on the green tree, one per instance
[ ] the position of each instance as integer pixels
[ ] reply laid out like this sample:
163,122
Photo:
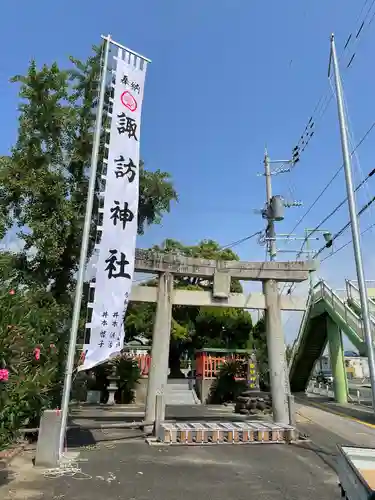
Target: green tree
223,327
43,184
194,327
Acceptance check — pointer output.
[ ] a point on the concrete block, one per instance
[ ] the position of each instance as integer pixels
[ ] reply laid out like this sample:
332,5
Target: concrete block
47,449
221,285
141,391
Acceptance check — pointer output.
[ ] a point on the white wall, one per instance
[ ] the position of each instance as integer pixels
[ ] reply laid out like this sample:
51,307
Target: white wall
359,365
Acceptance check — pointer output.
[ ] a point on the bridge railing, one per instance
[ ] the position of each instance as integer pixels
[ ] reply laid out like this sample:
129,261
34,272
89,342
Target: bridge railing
322,291
342,308
354,296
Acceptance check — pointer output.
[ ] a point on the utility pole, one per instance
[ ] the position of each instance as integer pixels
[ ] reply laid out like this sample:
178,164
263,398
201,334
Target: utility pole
353,216
270,231
278,370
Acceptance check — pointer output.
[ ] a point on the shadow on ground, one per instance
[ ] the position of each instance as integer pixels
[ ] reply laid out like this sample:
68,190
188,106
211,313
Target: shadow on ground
89,421
80,437
6,475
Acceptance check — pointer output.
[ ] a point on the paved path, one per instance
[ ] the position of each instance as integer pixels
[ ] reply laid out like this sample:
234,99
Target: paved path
352,411
136,471
128,469
326,430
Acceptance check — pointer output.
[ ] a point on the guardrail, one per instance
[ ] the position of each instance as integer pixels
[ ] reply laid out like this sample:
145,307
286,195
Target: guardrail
320,389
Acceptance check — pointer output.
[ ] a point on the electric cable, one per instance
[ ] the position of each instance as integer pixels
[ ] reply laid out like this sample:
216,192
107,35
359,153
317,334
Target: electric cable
326,98
338,207
364,137
340,232
347,243
359,31
334,237
242,240
356,162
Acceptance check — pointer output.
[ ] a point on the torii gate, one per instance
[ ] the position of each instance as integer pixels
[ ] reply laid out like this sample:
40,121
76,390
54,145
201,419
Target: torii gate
269,273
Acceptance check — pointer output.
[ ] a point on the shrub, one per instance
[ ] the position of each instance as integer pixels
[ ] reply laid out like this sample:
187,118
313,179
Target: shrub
128,372
225,387
31,325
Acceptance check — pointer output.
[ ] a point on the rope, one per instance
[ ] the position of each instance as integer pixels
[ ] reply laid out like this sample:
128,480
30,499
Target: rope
67,468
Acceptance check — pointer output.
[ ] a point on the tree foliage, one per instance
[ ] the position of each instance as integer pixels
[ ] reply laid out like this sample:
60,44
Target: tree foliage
43,184
194,327
229,383
43,191
260,346
221,327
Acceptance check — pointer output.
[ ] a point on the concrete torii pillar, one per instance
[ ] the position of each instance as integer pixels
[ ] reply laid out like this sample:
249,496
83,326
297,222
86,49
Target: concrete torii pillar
158,373
276,353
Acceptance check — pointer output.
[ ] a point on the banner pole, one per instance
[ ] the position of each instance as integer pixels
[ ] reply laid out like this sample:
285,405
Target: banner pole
83,253
127,49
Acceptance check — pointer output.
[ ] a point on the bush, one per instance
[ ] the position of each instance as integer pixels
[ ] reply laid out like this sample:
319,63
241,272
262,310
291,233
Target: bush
31,326
226,388
128,372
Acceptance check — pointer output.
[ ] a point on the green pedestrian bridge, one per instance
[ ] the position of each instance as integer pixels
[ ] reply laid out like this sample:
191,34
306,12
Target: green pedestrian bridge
328,315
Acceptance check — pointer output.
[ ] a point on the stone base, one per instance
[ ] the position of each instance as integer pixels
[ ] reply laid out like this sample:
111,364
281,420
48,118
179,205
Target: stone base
246,432
202,388
141,391
252,402
47,449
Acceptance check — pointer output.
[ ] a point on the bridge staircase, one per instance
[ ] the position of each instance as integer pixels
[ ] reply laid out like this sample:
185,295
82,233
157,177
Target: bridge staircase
323,303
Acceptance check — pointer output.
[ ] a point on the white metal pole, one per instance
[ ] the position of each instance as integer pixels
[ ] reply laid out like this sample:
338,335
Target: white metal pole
354,220
83,254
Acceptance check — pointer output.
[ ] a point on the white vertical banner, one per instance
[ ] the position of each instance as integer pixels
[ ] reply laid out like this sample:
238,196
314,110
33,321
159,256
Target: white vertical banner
115,265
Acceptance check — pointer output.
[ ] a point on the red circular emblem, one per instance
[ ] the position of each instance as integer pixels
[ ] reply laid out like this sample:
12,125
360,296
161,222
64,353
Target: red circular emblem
128,101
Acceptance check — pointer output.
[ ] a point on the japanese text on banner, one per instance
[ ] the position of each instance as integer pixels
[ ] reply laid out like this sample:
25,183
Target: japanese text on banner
115,266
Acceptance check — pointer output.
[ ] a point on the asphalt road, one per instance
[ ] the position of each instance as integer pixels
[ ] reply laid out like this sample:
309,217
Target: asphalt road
124,467
136,471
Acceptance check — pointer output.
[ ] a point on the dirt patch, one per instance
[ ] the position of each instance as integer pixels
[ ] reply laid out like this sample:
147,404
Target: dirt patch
17,478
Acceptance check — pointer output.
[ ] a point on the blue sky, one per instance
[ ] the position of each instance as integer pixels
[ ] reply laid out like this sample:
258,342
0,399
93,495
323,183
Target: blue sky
228,77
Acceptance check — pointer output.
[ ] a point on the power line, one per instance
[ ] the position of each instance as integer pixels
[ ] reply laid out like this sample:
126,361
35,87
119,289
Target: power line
326,98
338,207
339,233
238,242
364,137
246,238
334,237
359,31
346,244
